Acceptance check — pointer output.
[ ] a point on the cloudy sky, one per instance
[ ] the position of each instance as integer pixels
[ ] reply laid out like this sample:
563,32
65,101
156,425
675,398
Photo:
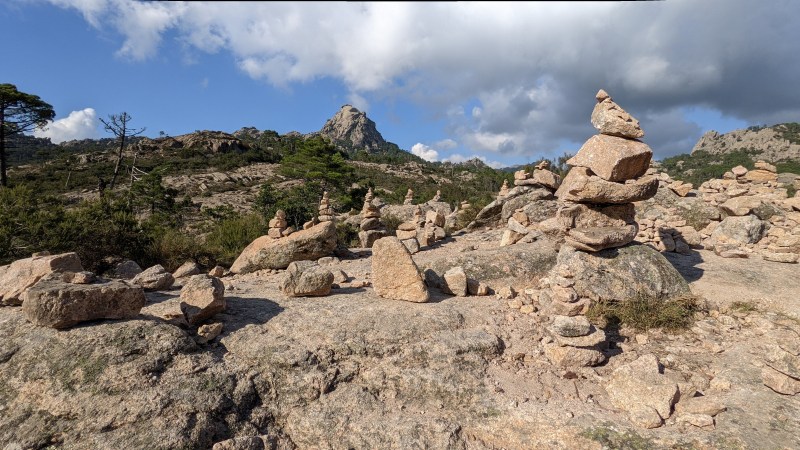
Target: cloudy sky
508,83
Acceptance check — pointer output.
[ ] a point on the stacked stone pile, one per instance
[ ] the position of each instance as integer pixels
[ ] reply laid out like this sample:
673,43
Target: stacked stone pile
326,212
597,213
278,227
663,227
531,194
541,177
421,231
607,176
371,227
573,340
437,197
758,215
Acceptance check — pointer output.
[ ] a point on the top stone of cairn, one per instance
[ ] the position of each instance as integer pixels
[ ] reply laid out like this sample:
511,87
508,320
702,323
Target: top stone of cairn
610,119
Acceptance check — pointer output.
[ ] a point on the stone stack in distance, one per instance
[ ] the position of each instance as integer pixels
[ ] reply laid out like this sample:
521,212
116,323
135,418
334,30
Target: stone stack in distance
607,176
371,227
278,227
326,213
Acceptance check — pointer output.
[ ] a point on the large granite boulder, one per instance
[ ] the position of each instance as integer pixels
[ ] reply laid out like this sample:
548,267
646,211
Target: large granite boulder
739,230
394,273
268,253
55,303
622,273
17,277
518,265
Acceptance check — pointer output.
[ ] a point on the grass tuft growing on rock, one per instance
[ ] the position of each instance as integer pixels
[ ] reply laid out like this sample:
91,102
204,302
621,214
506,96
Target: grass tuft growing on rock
644,312
611,438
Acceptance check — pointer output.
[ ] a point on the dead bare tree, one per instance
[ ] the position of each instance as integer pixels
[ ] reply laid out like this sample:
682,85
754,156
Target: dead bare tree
117,124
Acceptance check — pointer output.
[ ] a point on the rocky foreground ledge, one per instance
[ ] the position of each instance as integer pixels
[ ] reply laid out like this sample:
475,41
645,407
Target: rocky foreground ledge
354,370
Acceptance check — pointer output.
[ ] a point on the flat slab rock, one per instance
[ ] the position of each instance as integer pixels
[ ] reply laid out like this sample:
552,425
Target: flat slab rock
57,304
17,277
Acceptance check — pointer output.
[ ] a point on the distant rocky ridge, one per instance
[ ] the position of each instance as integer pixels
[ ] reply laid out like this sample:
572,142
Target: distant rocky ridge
776,143
213,141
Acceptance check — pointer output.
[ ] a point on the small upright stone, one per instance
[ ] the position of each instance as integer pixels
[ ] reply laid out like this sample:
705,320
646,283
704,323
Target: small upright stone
437,197
202,297
394,273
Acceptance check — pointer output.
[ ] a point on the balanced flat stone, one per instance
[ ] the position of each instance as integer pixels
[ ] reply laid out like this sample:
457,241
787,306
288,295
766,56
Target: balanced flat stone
580,185
600,238
613,158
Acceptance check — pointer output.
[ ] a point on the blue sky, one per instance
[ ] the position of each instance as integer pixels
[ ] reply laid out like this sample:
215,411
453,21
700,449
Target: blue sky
508,83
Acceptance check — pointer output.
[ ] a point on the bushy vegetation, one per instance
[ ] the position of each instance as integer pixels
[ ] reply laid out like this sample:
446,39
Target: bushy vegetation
702,166
645,311
146,221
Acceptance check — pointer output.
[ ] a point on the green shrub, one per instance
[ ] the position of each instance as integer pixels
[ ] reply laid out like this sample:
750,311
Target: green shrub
171,247
347,235
645,311
230,236
391,222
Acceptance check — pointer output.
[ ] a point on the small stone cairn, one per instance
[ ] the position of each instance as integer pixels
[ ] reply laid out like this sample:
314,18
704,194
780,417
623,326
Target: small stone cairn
437,197
278,227
425,229
541,177
409,200
371,227
503,191
326,213
607,176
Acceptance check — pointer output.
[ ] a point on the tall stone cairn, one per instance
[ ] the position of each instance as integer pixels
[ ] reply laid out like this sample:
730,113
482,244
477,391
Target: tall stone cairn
278,226
409,200
371,227
597,212
607,176
326,213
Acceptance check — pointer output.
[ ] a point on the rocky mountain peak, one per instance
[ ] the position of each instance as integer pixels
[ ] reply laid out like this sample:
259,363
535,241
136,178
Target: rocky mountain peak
351,128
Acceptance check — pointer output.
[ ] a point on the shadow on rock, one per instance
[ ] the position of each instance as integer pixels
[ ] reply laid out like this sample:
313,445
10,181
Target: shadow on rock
686,265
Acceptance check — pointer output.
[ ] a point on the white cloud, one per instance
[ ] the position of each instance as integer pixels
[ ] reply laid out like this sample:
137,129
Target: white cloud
425,152
445,144
78,125
510,78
